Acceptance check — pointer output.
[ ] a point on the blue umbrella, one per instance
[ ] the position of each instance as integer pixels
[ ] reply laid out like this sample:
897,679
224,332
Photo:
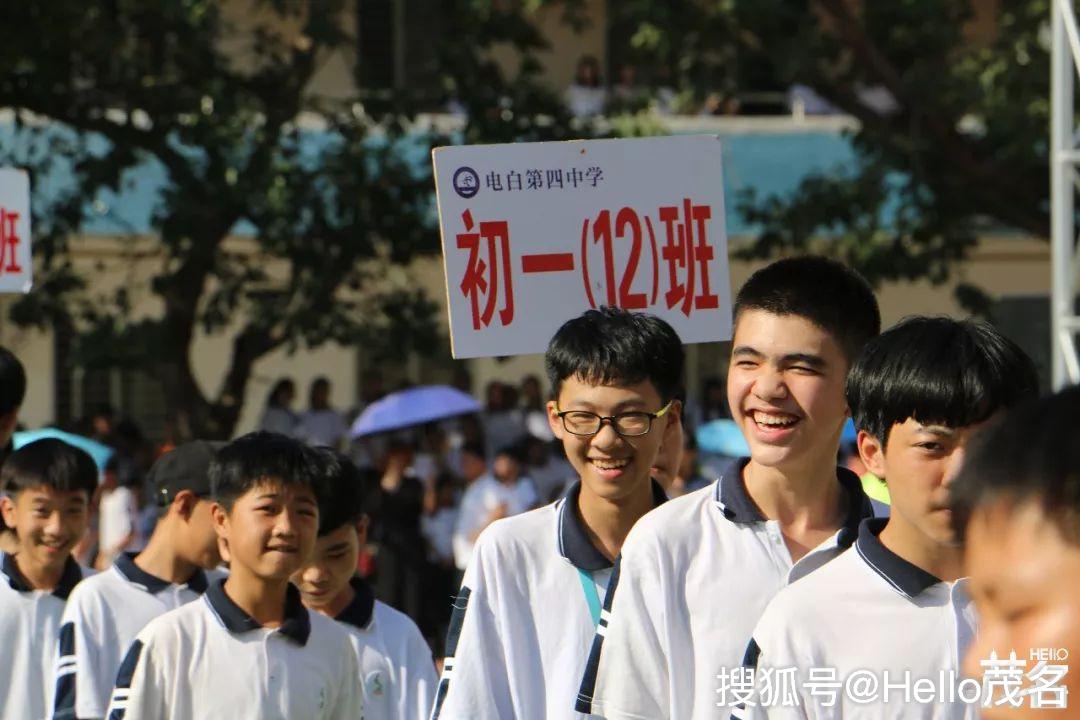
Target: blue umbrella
849,433
722,437
414,406
99,451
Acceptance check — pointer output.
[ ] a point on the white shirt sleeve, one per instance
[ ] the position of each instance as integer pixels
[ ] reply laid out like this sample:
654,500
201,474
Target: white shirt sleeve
140,689
635,677
780,672
83,680
474,684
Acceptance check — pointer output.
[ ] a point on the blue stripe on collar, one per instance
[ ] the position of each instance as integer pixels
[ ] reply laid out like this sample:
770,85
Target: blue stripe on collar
68,579
573,538
296,627
125,565
904,577
735,502
361,610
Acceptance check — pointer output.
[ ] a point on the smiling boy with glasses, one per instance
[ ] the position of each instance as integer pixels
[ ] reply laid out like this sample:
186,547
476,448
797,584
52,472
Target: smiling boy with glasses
531,599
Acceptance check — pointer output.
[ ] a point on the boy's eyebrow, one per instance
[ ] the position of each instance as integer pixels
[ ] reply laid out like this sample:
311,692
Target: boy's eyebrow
746,350
942,430
337,546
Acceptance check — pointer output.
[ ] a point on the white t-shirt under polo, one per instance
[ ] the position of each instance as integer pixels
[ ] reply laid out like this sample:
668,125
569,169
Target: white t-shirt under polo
209,660
102,617
524,620
695,576
29,622
397,672
868,610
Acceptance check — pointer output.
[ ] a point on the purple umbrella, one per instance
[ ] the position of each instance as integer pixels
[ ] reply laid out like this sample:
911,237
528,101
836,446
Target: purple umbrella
415,406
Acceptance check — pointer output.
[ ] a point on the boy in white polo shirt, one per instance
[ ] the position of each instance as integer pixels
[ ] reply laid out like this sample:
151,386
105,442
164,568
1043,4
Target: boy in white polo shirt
249,648
105,613
531,597
895,604
46,488
696,573
1016,503
397,673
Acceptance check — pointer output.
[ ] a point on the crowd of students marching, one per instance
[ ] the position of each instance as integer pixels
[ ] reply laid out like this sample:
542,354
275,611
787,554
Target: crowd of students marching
613,600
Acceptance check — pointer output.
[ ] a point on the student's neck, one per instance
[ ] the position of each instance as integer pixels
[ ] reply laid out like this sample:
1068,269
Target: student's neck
337,604
942,561
608,522
159,558
806,497
262,599
40,577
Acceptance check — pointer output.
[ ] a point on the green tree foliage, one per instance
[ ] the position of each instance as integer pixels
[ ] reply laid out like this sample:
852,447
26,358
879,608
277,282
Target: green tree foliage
331,189
961,147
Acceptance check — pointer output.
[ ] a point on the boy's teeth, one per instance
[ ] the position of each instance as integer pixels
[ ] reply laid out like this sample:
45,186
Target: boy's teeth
610,464
775,420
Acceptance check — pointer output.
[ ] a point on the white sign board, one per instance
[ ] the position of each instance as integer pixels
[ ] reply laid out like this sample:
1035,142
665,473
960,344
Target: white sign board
15,262
534,234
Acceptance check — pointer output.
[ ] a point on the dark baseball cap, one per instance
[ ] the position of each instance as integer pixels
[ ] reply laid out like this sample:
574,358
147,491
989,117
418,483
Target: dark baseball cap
186,467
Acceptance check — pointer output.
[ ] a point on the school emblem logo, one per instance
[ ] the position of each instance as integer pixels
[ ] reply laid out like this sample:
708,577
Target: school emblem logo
466,182
375,684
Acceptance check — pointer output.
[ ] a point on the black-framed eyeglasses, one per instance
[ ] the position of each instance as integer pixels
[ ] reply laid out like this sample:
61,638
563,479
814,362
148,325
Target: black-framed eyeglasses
628,424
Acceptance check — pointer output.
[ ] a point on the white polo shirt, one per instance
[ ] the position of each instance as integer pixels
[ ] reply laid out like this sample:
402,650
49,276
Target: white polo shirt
209,660
397,673
524,620
869,611
102,617
695,576
29,621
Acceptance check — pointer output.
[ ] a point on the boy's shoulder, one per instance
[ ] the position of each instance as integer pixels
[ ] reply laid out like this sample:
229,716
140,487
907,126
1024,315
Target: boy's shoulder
677,520
178,623
95,586
809,599
521,529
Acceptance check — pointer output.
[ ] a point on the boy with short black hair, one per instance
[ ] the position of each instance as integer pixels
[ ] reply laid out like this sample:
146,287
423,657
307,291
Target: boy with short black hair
531,598
45,491
105,613
1017,504
249,646
897,603
397,673
696,573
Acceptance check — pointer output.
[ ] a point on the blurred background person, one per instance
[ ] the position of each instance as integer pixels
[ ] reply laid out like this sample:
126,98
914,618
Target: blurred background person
279,416
320,424
586,96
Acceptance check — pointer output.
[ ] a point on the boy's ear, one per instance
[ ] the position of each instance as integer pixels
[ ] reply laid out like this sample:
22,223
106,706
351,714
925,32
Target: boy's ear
872,452
220,517
553,420
7,510
184,503
362,526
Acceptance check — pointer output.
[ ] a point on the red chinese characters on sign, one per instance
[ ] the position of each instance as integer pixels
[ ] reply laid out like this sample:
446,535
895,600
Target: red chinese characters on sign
687,252
9,242
489,258
626,244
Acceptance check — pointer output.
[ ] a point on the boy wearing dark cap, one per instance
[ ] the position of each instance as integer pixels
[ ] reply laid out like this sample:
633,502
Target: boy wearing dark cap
103,617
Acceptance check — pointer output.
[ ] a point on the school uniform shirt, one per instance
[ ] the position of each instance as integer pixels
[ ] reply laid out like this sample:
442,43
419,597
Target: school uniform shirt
29,621
102,618
210,660
397,672
695,576
525,617
868,611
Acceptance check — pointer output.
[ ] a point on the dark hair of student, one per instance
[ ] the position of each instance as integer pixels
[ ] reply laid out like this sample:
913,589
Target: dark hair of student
342,503
614,346
257,457
1032,455
831,295
937,370
274,399
52,463
12,382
